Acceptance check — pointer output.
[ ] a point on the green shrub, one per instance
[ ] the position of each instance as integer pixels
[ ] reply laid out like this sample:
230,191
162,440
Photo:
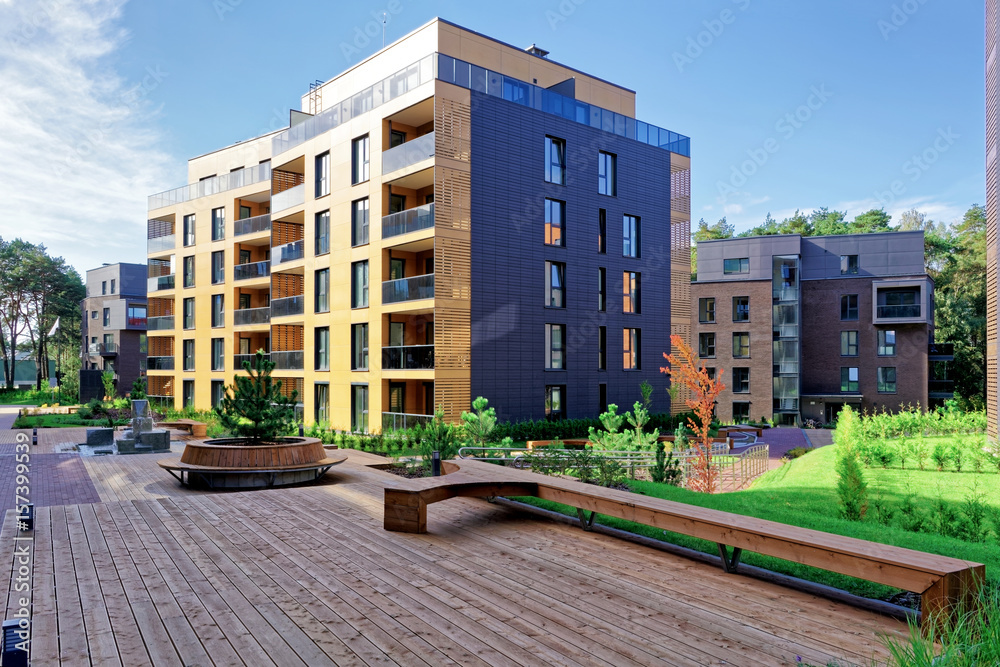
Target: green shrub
439,436
666,469
255,408
796,452
852,490
940,456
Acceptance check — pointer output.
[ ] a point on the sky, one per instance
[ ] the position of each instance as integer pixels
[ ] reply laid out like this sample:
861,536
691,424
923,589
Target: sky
848,104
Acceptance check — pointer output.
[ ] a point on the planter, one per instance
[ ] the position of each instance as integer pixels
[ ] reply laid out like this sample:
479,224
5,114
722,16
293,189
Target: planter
229,463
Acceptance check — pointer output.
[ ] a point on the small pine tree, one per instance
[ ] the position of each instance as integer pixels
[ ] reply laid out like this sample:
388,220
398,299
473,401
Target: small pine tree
852,489
254,408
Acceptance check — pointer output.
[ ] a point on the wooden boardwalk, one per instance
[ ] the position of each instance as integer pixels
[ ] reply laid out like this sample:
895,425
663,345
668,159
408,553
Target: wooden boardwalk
158,575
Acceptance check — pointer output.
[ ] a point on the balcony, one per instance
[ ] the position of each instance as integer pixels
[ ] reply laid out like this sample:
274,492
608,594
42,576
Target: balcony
161,244
260,223
238,360
289,305
288,360
406,358
288,198
252,270
898,312
941,350
411,220
408,289
398,421
258,174
408,154
160,363
248,316
159,283
165,323
937,388
108,349
288,252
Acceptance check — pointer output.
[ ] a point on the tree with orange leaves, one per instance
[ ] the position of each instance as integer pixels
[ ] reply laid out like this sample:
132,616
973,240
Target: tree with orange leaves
683,367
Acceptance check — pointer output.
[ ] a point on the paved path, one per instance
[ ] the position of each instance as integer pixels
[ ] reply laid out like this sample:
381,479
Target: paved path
8,413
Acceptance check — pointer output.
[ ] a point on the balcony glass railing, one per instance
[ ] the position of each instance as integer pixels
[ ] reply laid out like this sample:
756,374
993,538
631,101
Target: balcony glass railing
161,244
410,220
238,360
898,311
160,363
252,270
408,289
399,421
288,252
288,360
164,323
237,179
160,283
109,349
409,357
941,350
941,386
289,305
260,223
288,198
408,154
245,316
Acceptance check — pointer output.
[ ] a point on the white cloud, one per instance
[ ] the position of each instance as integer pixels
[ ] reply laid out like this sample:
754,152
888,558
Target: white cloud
80,151
939,211
733,209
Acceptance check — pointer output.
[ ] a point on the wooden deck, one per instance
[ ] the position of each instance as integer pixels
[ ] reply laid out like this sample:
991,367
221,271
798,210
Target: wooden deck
159,575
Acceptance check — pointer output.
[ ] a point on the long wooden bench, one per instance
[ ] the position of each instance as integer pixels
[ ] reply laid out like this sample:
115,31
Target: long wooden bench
943,582
196,429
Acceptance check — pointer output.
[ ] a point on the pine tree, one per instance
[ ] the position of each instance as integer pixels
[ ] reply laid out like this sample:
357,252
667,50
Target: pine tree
255,408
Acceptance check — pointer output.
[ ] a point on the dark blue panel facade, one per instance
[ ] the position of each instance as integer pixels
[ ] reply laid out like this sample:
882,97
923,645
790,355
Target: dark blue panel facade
509,255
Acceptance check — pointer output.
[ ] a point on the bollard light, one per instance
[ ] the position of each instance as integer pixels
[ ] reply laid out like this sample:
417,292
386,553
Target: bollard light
302,430
435,464
15,652
34,436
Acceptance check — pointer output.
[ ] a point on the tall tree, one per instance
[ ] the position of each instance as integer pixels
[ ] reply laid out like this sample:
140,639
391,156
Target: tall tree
870,222
707,232
828,223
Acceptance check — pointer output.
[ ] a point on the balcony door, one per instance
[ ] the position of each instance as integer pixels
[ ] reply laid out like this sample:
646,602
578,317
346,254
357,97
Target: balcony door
244,301
429,398
397,203
244,256
397,269
397,397
396,334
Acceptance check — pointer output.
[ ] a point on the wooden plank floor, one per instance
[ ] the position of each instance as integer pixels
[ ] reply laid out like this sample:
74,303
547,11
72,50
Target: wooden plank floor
159,575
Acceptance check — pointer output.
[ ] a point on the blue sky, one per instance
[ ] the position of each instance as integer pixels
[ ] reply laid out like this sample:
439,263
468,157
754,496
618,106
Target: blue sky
850,104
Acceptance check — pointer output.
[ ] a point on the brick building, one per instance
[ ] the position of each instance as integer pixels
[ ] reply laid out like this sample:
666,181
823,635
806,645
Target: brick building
114,324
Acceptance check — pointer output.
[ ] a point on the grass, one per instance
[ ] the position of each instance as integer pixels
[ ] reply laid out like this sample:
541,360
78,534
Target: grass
803,493
33,397
61,421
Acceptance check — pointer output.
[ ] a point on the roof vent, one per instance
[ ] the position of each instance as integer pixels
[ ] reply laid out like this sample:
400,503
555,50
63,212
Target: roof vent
537,51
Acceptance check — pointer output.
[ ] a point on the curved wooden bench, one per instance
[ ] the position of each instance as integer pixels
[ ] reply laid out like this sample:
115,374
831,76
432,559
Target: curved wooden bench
182,472
196,429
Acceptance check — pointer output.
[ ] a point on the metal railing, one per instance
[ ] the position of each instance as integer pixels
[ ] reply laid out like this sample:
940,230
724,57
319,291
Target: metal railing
941,350
210,186
737,471
252,270
289,305
160,363
295,196
408,289
161,244
108,349
398,421
245,316
288,252
260,223
408,357
410,220
408,154
160,283
160,401
163,323
288,360
238,360
898,311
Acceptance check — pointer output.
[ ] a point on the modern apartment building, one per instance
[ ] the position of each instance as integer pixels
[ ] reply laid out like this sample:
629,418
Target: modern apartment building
114,322
452,217
805,325
992,199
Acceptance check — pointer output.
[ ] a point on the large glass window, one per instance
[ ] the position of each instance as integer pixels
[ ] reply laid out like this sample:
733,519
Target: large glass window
741,309
189,271
706,345
706,310
631,292
555,284
189,313
631,349
188,394
218,392
323,291
189,230
738,265
323,174
848,343
322,349
360,158
886,380
107,317
849,307
322,232
899,302
849,379
218,224
607,174
218,310
741,380
218,267
631,236
359,347
555,407
143,344
741,411
188,356
218,354
555,342
359,284
848,264
602,289
602,231
886,343
359,408
602,348
322,412
741,344
359,222
555,222
555,160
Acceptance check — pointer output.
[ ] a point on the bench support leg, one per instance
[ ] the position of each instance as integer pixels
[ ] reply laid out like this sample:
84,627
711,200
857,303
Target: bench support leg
954,594
730,563
404,512
585,523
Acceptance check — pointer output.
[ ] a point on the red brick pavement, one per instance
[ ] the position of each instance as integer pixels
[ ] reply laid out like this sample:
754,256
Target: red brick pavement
53,479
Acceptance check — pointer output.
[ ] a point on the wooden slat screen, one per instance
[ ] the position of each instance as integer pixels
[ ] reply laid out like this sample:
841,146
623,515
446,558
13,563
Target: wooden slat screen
285,180
680,262
286,337
157,307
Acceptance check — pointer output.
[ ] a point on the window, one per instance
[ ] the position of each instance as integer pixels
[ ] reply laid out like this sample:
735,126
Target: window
322,348
886,343
602,348
109,342
602,398
706,345
741,309
848,379
359,347
218,267
848,264
631,349
602,231
741,345
359,222
218,310
112,285
631,292
189,230
849,307
359,160
740,265
359,284
630,231
886,378
321,414
741,380
218,391
848,343
396,138
218,224
555,407
218,354
555,285
323,291
555,341
93,314
898,302
555,222
322,232
607,174
189,271
189,313
602,289
323,174
245,212
143,344
359,408
107,317
555,160
188,358
104,287
188,397
710,371
397,203
741,411
706,310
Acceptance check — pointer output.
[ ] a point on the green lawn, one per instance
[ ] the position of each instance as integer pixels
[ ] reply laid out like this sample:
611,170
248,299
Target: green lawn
60,421
33,398
803,493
